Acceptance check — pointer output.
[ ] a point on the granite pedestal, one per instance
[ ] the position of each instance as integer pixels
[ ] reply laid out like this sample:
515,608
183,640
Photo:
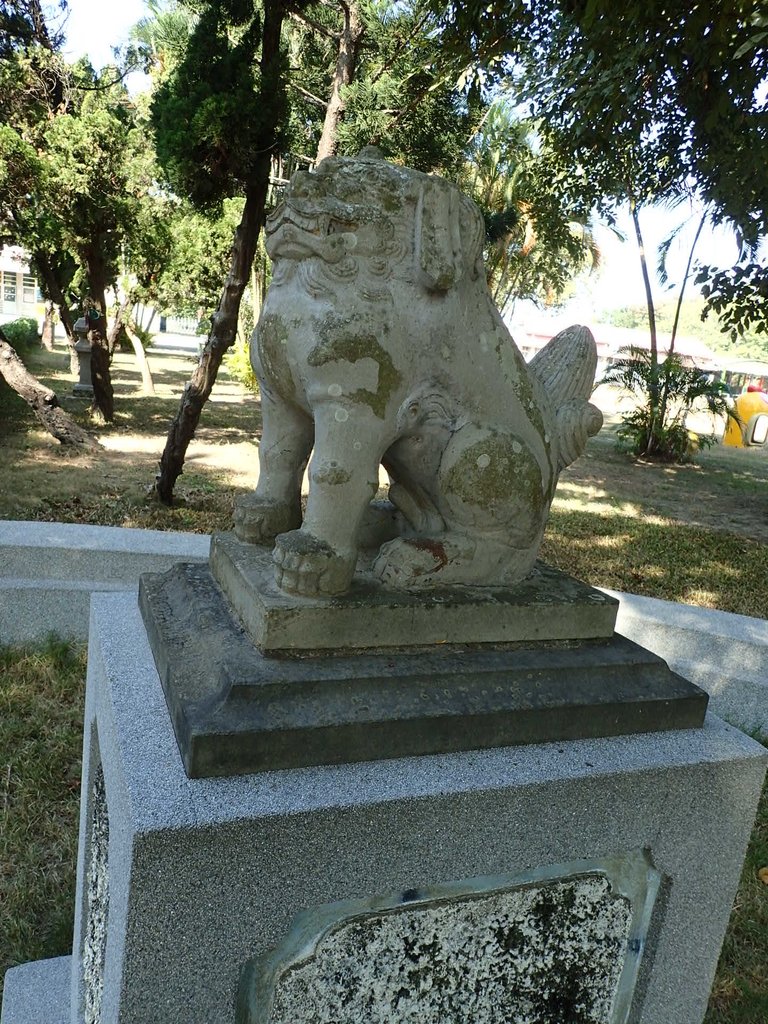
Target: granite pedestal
182,882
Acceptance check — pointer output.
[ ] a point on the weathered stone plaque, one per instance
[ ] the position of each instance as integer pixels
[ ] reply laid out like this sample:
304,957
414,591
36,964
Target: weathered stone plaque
559,944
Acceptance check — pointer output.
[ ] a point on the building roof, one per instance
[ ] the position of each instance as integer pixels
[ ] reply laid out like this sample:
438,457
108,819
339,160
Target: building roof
751,367
610,340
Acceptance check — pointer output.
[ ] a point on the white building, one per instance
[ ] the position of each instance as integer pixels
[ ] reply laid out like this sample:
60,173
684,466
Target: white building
19,292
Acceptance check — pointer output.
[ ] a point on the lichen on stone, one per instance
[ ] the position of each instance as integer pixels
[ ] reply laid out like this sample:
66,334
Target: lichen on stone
97,902
549,953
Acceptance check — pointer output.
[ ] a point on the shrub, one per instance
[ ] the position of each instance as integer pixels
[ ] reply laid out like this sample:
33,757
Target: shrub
238,362
238,359
667,391
21,333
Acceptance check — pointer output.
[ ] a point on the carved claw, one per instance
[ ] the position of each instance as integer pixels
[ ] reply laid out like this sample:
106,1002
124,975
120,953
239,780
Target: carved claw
260,520
309,567
413,562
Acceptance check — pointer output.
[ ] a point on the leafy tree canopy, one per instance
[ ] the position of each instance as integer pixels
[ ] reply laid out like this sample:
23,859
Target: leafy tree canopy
538,238
638,97
209,116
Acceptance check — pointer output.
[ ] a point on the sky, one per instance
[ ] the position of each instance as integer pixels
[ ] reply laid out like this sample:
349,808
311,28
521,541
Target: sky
95,26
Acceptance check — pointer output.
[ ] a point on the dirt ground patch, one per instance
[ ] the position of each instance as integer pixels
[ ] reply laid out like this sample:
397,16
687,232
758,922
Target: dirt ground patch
43,480
726,489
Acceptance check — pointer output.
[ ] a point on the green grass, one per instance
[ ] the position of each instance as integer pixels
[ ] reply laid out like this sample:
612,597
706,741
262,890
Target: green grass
41,709
41,724
661,558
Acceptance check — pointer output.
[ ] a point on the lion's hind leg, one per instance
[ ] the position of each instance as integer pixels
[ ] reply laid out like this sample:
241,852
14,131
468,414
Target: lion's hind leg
494,498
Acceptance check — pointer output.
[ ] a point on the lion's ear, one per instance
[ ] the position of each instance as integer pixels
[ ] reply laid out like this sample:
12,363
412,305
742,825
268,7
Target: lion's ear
448,235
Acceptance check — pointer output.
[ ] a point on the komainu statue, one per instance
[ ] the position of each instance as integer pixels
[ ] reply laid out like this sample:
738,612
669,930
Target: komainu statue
379,343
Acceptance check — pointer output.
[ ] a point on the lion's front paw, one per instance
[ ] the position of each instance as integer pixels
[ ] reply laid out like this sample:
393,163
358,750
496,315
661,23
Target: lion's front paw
260,520
309,567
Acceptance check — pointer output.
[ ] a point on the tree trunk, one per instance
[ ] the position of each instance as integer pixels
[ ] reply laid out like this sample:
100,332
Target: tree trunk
147,384
678,308
49,327
221,337
346,65
103,405
653,383
53,290
224,320
41,400
119,323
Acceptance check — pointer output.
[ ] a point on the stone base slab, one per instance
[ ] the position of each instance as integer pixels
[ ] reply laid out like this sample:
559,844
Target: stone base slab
237,710
48,572
203,875
548,605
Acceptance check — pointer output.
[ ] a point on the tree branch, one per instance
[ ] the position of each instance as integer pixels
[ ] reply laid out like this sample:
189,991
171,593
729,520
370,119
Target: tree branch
309,96
43,402
315,26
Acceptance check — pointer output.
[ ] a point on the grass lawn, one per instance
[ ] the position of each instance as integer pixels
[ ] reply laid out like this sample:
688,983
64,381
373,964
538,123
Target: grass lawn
697,534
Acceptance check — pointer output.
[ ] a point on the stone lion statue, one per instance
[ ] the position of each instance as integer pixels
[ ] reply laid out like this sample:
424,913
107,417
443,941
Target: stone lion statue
379,343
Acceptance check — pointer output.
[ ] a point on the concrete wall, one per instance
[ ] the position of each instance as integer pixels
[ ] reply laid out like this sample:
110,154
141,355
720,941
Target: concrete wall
724,654
48,572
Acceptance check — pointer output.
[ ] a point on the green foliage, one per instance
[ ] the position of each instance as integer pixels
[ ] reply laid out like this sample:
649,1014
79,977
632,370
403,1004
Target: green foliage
739,296
21,333
89,176
238,362
403,98
402,101
20,171
196,263
666,393
641,102
21,28
238,358
537,238
643,96
209,116
162,37
74,167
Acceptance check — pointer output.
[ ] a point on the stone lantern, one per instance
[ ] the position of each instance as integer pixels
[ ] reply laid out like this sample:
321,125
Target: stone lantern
84,386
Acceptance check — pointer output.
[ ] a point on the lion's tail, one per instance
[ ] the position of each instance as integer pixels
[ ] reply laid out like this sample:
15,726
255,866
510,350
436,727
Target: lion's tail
566,368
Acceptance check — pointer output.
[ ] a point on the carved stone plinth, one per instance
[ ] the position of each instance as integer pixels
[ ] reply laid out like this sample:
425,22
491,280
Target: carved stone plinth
548,605
238,709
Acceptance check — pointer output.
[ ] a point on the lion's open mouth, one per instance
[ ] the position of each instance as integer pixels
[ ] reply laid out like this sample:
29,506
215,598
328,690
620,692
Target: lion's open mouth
294,233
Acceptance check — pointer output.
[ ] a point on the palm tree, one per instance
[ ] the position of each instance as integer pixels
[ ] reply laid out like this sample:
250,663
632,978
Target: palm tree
536,241
164,34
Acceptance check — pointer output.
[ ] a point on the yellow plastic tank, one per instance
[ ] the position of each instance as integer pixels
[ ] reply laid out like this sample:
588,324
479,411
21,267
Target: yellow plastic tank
749,431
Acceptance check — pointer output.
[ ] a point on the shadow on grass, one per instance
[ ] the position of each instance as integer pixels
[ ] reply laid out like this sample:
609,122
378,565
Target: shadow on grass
660,558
